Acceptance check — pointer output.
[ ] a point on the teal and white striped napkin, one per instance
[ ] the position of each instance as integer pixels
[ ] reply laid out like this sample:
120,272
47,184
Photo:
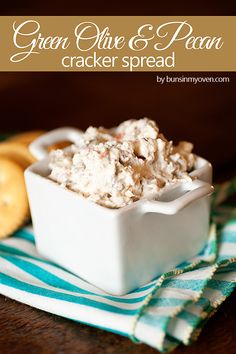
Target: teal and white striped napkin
170,310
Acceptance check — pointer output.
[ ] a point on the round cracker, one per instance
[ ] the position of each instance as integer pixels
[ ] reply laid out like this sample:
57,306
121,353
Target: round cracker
26,138
17,152
14,206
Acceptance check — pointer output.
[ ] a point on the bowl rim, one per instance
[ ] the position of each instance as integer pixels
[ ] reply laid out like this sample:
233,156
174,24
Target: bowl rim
40,169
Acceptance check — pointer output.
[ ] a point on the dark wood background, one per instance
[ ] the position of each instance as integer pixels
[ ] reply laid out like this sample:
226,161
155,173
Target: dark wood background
122,7
202,113
27,330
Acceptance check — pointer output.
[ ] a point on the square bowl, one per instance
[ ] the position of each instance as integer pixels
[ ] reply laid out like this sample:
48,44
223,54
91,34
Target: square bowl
118,250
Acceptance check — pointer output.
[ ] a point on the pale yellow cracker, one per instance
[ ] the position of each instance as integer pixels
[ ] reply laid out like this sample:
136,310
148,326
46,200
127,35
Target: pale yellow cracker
14,206
17,152
27,137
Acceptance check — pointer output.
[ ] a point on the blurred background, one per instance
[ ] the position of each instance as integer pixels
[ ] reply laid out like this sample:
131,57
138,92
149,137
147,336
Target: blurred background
121,7
202,113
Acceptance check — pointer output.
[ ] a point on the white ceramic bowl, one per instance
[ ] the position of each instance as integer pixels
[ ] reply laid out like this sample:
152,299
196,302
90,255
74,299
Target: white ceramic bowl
117,250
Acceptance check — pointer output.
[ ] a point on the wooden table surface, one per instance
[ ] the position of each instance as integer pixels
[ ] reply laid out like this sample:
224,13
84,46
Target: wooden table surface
25,330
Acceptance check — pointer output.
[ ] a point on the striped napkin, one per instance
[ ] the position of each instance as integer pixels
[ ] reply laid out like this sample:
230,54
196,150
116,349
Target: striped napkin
170,310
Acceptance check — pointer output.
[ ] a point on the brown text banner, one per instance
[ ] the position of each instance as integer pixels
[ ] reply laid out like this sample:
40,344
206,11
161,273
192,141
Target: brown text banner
117,43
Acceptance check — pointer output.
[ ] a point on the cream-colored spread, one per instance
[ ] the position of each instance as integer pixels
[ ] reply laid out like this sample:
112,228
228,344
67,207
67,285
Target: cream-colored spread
117,167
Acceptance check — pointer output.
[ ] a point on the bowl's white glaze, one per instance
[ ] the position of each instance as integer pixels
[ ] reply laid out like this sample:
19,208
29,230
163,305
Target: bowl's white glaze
119,250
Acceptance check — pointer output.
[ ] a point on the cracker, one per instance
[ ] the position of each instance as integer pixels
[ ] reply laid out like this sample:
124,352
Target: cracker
17,152
26,138
14,206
